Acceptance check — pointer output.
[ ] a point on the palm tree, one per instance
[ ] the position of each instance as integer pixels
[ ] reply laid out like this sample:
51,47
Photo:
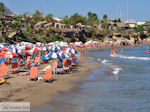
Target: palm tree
105,17
66,20
139,29
92,18
148,30
49,17
37,16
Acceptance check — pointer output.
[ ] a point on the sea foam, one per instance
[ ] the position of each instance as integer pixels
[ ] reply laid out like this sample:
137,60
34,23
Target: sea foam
130,57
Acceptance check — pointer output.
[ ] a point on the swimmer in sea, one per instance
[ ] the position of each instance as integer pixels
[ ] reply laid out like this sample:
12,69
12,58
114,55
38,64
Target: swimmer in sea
147,50
121,51
112,52
116,50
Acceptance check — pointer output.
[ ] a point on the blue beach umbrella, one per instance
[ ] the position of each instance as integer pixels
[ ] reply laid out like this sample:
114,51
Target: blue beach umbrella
45,48
62,55
11,46
1,46
53,55
55,48
15,50
71,51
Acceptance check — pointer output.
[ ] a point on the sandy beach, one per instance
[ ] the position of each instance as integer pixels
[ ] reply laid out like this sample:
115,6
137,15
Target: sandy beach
37,93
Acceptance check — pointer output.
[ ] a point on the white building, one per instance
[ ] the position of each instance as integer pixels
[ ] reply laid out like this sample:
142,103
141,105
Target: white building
58,19
141,23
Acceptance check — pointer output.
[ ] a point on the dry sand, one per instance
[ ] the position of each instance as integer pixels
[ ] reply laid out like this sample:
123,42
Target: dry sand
37,93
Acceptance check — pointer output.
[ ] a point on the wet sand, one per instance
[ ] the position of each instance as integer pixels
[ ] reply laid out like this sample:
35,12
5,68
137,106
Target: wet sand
37,93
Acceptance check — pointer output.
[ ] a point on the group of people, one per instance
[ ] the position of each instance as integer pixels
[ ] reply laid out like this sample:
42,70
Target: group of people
115,51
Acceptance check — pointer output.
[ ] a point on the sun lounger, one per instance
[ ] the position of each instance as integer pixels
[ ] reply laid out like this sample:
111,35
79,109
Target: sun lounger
55,66
66,65
48,75
14,67
3,70
37,61
33,73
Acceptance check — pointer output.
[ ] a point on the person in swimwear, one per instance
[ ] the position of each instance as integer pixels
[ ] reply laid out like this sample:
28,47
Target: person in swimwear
112,51
116,50
121,51
147,50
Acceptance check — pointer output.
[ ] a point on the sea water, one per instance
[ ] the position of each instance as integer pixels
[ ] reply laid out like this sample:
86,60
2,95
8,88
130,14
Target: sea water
121,84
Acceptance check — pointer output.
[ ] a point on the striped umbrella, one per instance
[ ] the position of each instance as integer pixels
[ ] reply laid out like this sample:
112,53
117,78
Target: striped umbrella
63,55
53,55
1,46
71,51
55,48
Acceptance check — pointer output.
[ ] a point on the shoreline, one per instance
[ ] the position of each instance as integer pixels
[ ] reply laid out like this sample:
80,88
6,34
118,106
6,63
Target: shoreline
39,93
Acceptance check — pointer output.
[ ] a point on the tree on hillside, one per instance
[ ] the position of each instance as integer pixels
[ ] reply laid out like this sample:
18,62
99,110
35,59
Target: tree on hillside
105,22
49,17
4,26
1,8
139,29
76,18
66,20
105,17
148,30
92,19
37,16
16,26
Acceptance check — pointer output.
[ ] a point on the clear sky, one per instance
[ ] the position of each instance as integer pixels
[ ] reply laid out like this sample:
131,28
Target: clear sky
139,10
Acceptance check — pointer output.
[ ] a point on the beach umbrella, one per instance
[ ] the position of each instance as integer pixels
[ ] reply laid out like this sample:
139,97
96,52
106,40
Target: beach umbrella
55,48
8,54
53,55
71,51
11,46
34,50
1,46
15,50
45,48
77,43
38,44
63,44
3,49
63,55
24,53
28,47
